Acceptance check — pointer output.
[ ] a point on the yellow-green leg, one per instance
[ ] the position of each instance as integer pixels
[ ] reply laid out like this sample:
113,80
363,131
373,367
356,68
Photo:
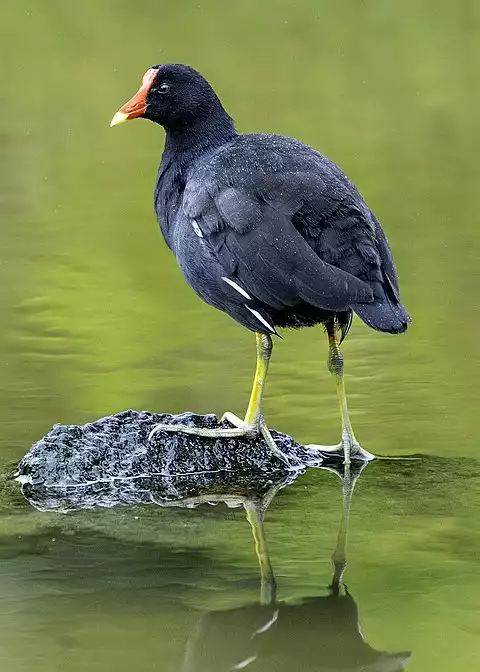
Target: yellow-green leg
253,416
351,473
339,555
335,366
268,584
253,423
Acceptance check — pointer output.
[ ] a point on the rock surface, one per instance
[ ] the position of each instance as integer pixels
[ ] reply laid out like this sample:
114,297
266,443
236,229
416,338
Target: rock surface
111,461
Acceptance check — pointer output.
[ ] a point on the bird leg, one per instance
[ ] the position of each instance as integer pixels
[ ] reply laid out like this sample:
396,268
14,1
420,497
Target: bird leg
335,365
255,512
253,416
253,423
351,473
339,555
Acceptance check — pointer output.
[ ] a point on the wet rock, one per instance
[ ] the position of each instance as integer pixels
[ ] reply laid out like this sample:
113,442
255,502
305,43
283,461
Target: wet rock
111,461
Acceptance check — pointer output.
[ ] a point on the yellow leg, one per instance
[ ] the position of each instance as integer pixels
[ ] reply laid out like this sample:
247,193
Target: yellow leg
339,556
268,583
253,422
351,474
253,415
335,366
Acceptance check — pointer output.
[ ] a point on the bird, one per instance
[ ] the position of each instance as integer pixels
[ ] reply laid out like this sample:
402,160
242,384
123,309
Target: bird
267,229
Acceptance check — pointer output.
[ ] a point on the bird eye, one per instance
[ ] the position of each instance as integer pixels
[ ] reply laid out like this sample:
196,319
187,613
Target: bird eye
164,88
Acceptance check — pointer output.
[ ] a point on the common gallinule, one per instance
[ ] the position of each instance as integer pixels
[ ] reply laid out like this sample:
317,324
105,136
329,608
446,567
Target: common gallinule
266,229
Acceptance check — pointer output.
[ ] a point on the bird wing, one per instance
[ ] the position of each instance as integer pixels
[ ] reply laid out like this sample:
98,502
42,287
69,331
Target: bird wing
284,224
259,245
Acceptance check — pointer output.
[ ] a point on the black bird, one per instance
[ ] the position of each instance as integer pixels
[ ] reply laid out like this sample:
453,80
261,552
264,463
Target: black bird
266,229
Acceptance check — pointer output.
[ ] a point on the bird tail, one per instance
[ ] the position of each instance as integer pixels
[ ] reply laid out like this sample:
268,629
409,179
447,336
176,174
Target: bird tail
386,313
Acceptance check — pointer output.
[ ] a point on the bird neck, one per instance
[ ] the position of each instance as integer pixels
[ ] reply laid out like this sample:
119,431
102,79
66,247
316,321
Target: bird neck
187,141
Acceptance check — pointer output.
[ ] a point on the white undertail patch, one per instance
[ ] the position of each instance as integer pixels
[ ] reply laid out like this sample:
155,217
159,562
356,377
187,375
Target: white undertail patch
239,289
261,319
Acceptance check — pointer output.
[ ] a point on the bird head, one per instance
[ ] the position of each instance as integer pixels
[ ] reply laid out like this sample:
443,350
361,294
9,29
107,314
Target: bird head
171,95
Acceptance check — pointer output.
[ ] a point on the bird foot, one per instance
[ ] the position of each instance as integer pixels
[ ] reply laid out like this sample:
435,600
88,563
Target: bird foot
241,428
347,449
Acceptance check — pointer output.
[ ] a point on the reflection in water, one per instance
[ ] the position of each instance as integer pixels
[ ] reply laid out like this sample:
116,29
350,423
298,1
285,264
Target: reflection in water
320,634
349,477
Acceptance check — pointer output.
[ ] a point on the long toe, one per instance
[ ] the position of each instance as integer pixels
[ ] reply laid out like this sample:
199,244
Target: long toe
270,441
198,431
235,421
354,449
241,428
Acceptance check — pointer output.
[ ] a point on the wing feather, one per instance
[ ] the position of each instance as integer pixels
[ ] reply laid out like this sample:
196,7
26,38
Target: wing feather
258,245
286,224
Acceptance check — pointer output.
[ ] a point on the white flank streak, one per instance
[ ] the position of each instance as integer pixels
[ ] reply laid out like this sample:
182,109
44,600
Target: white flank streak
260,318
239,289
196,228
267,626
244,663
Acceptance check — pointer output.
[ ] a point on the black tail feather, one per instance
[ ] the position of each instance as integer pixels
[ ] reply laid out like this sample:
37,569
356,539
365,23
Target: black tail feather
384,314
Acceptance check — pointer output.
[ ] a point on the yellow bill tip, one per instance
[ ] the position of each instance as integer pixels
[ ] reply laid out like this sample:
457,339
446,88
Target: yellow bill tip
118,118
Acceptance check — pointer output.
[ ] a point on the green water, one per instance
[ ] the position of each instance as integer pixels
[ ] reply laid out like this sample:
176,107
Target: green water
96,318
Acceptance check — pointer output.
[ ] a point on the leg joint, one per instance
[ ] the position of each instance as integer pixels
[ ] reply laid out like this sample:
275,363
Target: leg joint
264,345
335,362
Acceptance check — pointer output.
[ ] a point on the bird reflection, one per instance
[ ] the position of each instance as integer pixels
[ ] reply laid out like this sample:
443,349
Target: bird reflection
321,634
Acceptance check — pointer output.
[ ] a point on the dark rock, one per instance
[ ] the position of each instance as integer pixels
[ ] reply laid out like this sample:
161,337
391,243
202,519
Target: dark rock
111,461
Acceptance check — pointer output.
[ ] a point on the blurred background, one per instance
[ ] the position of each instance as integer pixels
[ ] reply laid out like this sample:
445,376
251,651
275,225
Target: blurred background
96,316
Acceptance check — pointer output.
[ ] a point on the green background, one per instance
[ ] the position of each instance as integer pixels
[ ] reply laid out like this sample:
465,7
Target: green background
96,318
